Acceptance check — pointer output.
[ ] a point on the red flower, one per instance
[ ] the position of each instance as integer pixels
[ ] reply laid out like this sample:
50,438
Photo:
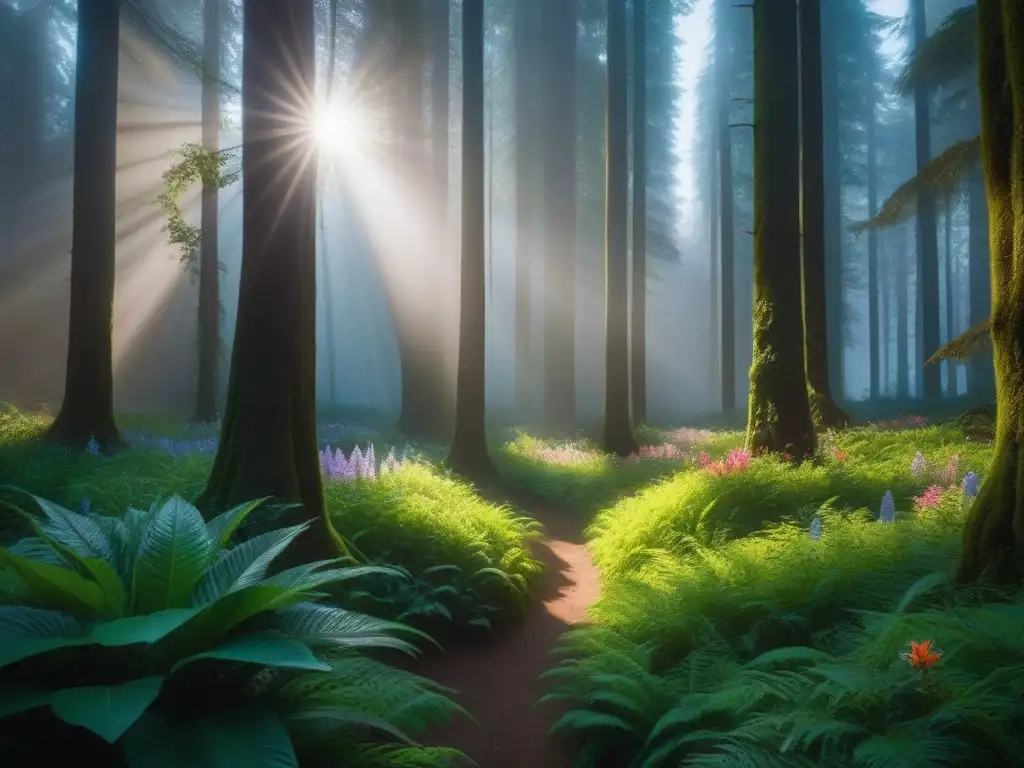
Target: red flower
921,655
839,454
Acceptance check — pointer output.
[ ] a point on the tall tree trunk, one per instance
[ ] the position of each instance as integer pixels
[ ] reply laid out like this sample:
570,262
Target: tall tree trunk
885,273
272,386
714,269
440,26
993,539
951,366
209,266
325,260
560,219
779,413
981,378
22,82
873,345
927,233
726,209
833,187
638,341
469,445
528,188
88,407
618,433
903,359
826,413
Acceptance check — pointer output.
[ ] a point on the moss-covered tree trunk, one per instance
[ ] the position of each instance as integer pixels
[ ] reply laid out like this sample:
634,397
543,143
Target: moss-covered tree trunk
827,414
779,413
88,407
638,324
209,268
268,443
726,202
993,539
618,434
559,34
930,384
528,138
469,446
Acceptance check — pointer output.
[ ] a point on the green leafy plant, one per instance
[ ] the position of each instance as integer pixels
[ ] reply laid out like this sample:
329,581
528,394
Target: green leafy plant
155,639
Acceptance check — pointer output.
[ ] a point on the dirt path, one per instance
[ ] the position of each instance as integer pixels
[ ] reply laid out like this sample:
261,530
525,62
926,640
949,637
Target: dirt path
498,683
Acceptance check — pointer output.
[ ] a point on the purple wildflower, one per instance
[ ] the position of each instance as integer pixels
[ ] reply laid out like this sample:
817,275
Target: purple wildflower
952,471
887,511
918,465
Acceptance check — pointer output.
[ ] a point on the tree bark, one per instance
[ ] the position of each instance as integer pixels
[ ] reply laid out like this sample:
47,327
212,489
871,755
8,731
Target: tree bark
325,261
469,445
903,359
618,433
827,414
980,374
779,417
927,232
638,327
726,203
885,274
209,259
951,366
268,443
993,539
88,407
873,281
559,20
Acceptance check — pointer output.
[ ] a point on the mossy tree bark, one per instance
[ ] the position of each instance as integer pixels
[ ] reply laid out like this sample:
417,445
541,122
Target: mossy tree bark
618,433
779,418
993,539
638,325
268,444
827,414
88,407
469,446
209,267
559,35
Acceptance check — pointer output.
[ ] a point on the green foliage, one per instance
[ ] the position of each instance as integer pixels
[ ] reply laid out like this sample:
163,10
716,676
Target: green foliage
779,649
948,54
965,345
195,165
176,645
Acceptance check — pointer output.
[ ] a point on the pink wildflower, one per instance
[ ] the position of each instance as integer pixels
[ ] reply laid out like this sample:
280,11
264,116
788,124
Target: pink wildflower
839,455
930,499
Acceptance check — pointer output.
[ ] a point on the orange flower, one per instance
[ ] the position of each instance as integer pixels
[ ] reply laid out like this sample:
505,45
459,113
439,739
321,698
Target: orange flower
921,655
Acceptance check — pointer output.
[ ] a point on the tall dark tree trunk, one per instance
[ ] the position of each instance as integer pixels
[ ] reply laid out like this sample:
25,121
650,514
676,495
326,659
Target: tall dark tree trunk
873,345
528,189
726,203
714,269
993,540
271,399
780,412
638,327
981,378
618,433
469,445
88,407
22,81
833,185
903,359
885,271
325,260
440,27
560,220
951,366
209,258
927,233
826,413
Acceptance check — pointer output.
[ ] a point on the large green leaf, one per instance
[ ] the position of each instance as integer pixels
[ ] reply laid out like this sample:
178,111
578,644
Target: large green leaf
106,710
28,632
173,556
148,628
264,648
77,532
56,587
17,699
220,528
241,739
336,626
244,565
215,621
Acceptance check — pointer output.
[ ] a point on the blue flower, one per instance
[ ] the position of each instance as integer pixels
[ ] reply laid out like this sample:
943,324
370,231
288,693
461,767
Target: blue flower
887,512
970,485
816,528
93,446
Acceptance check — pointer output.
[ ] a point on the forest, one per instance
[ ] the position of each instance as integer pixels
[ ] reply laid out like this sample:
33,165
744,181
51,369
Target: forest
512,383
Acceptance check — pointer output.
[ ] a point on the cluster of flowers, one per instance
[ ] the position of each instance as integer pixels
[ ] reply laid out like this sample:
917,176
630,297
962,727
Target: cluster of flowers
359,463
737,460
564,453
946,478
176,447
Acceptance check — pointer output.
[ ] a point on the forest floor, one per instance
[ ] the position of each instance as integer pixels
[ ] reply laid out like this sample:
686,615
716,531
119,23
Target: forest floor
499,682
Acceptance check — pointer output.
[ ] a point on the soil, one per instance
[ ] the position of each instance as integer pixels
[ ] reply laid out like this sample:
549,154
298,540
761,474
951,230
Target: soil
498,683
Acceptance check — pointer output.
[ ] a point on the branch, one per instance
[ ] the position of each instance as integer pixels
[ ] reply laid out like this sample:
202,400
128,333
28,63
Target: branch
950,52
965,345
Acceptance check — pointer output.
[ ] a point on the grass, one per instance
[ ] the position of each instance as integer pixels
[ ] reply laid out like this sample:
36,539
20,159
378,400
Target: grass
727,635
416,517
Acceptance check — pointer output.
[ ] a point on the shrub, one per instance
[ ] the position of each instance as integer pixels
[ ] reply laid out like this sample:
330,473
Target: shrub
160,641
